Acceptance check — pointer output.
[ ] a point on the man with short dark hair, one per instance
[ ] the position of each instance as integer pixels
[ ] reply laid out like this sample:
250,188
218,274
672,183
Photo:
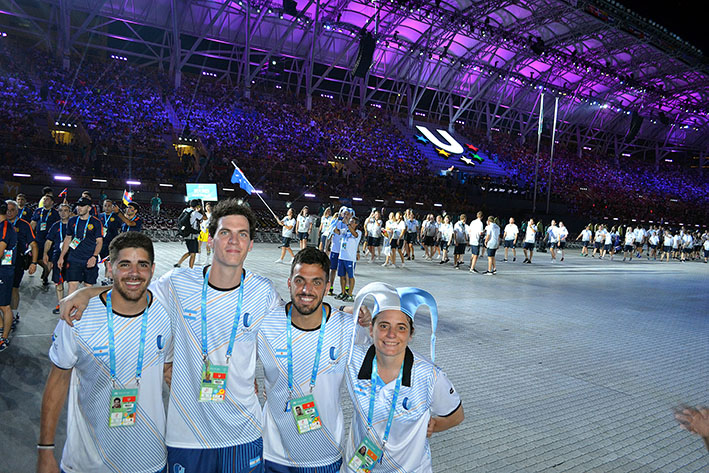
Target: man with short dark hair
27,254
191,240
317,353
53,249
131,220
111,226
22,208
116,393
81,247
42,219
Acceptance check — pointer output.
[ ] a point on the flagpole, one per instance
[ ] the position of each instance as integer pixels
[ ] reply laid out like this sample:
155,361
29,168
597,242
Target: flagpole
259,196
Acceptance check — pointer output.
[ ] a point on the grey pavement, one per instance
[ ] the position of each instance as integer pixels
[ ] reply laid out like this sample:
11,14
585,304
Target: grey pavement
565,367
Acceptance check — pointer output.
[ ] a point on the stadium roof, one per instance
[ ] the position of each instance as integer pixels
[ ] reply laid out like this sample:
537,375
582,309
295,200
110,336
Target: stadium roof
449,61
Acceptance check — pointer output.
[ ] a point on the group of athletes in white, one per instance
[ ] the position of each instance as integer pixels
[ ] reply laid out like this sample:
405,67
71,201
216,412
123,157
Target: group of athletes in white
657,241
198,331
438,235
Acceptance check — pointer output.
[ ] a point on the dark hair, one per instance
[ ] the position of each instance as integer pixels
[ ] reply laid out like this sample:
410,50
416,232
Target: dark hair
229,207
194,202
21,194
134,205
87,193
411,322
131,240
47,190
311,255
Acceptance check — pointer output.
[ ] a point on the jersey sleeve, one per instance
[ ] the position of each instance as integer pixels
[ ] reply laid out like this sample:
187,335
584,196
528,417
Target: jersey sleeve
63,352
161,290
445,399
98,228
70,226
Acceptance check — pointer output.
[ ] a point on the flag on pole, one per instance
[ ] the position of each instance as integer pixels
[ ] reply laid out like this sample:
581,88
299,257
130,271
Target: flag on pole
239,178
127,197
64,192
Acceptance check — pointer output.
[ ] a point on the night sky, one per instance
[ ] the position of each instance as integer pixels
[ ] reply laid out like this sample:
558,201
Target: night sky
687,18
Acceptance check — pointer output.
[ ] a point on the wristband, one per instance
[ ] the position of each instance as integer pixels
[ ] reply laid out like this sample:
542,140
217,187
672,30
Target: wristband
45,446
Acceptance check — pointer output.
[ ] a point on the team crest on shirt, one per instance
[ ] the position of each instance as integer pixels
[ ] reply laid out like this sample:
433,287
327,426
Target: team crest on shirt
111,219
91,226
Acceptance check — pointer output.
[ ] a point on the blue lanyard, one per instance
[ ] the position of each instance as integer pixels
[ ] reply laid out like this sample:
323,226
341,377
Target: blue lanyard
76,225
205,351
289,338
61,232
14,224
372,396
43,218
106,218
112,343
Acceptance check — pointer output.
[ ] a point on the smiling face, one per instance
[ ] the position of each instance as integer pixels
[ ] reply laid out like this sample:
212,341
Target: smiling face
132,272
232,241
391,332
308,284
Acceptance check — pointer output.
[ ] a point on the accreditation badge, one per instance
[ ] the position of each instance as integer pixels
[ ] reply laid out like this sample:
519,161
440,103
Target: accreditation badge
213,385
105,231
305,414
123,404
365,457
74,243
42,226
6,258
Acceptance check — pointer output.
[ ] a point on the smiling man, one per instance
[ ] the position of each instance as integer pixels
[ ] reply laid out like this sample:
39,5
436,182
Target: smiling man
304,347
118,350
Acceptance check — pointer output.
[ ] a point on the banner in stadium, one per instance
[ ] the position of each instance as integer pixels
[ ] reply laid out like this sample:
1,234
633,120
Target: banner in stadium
206,192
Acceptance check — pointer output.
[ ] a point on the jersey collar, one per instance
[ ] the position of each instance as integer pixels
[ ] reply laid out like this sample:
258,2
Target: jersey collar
365,371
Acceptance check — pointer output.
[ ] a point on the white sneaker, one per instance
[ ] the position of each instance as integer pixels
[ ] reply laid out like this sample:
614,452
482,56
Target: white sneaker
279,261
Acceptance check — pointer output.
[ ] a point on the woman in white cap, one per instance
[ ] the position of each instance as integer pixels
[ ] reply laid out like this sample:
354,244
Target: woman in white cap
400,397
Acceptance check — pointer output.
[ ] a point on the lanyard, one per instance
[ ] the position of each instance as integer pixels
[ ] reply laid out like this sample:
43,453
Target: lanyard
372,396
61,232
112,344
106,218
76,225
43,218
289,338
205,351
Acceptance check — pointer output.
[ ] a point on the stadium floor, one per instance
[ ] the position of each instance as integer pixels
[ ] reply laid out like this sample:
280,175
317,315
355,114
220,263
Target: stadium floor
566,367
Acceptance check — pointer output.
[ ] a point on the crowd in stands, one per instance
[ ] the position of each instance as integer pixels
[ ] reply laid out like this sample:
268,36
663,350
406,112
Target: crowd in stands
594,186
283,147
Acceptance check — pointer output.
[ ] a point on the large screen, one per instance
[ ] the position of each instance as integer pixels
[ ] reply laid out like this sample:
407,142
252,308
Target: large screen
206,192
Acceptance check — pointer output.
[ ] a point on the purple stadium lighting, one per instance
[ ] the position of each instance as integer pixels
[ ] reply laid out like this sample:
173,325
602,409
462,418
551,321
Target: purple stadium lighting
438,205
62,178
165,185
309,195
378,200
398,201
98,180
133,183
19,174
358,199
283,193
334,196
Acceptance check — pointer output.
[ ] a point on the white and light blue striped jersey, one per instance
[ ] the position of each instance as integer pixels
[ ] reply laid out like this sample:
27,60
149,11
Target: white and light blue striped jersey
91,445
336,238
282,443
237,420
425,391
